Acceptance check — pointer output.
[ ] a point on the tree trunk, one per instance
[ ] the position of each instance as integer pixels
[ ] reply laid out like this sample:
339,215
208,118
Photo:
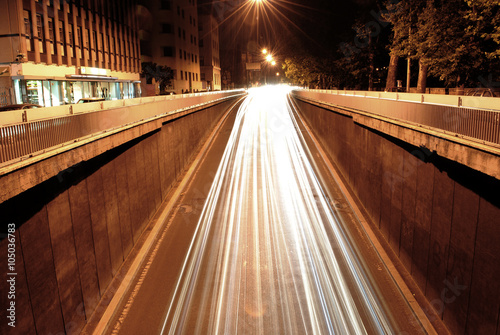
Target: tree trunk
392,72
372,65
422,76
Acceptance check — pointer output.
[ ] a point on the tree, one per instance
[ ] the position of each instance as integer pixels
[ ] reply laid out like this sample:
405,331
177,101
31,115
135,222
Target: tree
160,73
453,40
302,70
405,17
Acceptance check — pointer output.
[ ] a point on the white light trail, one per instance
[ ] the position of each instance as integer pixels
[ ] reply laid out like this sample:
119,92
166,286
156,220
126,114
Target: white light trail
268,255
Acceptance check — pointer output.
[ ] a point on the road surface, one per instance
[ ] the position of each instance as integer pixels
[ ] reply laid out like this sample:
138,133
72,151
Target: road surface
262,242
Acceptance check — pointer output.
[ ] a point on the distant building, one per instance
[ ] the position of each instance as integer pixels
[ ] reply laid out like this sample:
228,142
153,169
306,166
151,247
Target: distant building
169,37
58,51
208,28
232,38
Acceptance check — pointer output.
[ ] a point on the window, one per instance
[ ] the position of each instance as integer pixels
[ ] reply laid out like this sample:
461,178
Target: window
197,77
195,40
194,22
166,5
178,10
196,58
27,23
95,39
61,37
61,32
202,61
27,29
145,48
168,52
201,43
79,41
179,31
51,34
184,34
71,41
78,37
87,42
185,55
190,19
51,29
191,39
182,75
183,13
39,26
180,53
41,35
166,28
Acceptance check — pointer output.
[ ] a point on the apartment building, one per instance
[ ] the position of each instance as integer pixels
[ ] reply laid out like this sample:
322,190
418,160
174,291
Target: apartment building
208,30
169,37
56,52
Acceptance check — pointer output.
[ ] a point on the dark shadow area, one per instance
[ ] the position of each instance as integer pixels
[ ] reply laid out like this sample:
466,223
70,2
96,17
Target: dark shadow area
482,184
476,181
22,207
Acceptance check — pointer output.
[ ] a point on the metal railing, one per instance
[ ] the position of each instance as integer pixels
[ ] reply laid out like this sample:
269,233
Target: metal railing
25,133
474,117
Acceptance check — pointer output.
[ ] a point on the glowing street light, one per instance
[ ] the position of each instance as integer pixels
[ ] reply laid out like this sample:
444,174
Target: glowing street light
264,51
273,63
269,58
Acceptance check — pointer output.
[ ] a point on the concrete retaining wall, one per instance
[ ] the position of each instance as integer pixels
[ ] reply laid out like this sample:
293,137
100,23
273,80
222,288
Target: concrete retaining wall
439,217
74,230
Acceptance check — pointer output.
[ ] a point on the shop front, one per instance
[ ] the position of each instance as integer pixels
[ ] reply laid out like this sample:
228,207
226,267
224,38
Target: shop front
60,92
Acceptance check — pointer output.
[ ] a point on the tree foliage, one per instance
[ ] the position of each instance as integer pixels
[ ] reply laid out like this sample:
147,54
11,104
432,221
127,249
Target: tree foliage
457,40
309,71
160,73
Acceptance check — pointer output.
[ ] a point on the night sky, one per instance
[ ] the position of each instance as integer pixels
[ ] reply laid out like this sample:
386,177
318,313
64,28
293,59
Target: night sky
294,26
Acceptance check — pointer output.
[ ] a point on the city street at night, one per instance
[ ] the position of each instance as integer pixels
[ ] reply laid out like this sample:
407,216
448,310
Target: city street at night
267,249
249,167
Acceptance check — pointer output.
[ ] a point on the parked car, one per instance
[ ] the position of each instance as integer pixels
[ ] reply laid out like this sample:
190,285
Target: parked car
85,100
18,106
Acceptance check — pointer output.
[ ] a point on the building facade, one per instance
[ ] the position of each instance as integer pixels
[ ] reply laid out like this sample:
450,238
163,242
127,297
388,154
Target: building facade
208,30
169,37
58,51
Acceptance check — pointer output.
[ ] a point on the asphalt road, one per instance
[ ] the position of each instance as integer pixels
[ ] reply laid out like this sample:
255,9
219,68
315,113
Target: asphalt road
263,242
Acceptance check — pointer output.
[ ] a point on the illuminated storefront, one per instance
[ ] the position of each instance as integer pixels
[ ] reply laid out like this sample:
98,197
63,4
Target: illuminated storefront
60,92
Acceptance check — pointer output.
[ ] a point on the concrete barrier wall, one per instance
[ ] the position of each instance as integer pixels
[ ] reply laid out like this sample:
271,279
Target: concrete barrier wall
439,217
74,230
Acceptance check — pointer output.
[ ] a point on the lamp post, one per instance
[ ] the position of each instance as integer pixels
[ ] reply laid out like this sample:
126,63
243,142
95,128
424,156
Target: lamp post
268,60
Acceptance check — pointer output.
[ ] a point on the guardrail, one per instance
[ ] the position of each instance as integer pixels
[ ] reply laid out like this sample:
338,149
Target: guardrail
28,132
474,117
